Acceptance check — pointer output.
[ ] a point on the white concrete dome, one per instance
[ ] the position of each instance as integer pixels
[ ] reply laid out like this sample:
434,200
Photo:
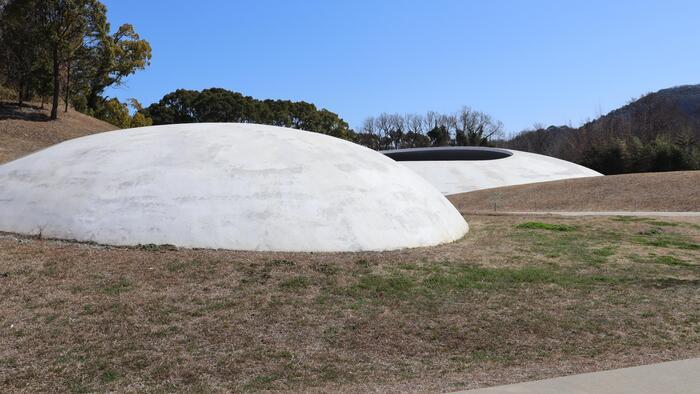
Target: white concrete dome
455,170
224,185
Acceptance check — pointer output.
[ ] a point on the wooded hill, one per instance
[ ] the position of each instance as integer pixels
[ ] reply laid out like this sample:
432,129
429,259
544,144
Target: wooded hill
658,132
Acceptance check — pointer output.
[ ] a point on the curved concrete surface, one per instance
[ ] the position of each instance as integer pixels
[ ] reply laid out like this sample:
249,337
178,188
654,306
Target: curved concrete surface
463,169
232,186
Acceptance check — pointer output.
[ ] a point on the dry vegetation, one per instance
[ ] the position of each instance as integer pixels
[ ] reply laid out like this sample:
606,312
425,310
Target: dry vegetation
519,298
661,191
27,129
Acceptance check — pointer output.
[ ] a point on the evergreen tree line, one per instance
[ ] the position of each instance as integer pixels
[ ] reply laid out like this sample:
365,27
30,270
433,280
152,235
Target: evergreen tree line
63,51
221,105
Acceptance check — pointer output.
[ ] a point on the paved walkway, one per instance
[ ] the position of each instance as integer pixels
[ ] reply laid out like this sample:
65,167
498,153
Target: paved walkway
609,213
678,377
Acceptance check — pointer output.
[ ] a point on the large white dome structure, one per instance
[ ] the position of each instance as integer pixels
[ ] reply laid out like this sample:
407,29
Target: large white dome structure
224,185
455,170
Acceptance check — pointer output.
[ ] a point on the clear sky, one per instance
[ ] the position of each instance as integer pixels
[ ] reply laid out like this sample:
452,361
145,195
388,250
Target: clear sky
524,62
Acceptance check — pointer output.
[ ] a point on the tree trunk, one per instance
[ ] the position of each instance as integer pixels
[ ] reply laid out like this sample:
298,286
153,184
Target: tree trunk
56,85
92,100
19,94
67,86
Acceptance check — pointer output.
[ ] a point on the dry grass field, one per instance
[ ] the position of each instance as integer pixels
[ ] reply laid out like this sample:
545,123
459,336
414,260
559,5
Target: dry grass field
662,191
27,129
518,298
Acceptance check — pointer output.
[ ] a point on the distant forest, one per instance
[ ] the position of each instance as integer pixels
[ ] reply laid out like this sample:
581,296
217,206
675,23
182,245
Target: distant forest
62,53
658,132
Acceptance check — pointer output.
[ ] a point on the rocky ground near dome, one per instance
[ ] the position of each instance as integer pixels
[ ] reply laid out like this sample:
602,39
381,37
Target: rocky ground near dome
519,298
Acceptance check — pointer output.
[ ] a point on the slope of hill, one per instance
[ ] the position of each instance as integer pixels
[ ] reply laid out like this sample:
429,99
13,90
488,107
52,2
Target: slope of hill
27,129
684,99
668,191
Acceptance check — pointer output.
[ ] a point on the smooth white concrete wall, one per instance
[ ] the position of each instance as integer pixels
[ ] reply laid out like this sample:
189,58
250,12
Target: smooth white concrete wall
459,176
232,186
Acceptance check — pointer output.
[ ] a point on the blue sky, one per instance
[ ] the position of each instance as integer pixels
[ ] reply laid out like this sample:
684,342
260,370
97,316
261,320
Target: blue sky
524,62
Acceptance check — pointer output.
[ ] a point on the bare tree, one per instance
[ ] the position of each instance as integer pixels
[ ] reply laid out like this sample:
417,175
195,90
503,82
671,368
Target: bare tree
414,123
368,126
475,127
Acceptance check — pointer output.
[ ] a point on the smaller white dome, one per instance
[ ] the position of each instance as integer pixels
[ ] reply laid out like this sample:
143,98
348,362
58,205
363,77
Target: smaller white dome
455,170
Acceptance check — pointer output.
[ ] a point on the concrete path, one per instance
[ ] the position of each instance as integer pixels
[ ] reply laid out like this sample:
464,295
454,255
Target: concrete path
669,377
609,213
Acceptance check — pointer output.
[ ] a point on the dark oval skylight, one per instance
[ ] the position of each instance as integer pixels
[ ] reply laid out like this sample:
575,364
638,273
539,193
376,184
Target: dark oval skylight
448,153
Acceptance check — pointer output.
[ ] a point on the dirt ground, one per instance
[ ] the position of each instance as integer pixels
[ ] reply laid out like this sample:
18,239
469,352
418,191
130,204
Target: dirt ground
27,129
661,191
519,298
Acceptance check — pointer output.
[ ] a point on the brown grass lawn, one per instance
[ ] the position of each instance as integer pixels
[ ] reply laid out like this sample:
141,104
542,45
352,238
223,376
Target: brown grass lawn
27,129
659,191
519,298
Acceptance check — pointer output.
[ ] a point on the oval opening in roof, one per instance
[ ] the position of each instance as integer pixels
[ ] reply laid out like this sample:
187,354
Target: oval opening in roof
451,153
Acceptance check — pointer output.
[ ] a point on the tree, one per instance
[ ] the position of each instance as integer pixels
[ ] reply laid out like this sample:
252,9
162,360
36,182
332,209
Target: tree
221,105
396,131
174,107
475,127
21,48
439,136
139,119
64,25
111,59
115,112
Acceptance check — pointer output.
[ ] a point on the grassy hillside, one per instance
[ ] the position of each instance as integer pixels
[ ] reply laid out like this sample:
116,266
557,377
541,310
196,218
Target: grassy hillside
667,191
27,129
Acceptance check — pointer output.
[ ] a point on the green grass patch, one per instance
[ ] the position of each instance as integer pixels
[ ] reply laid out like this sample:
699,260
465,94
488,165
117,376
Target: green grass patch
665,260
262,382
580,247
394,285
651,221
663,223
325,268
439,280
117,287
181,266
606,251
664,240
109,376
629,219
671,260
480,277
299,282
545,226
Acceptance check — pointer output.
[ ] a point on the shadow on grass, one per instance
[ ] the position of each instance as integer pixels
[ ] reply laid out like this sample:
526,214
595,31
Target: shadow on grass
27,112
